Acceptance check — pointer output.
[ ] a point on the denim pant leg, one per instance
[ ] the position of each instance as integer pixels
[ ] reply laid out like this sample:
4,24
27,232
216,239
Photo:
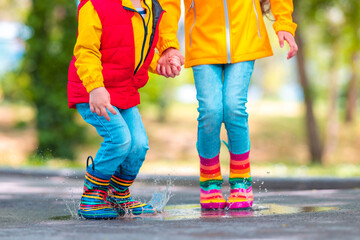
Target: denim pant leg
139,143
236,83
117,139
209,87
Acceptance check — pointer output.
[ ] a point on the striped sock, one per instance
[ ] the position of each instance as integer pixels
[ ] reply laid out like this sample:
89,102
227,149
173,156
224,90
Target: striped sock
93,204
241,195
210,183
120,198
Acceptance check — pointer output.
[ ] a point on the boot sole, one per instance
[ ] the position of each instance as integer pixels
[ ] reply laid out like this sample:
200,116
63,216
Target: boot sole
213,205
97,216
239,205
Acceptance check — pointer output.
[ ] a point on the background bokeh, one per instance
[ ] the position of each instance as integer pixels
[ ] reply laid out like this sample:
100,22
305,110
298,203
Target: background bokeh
304,113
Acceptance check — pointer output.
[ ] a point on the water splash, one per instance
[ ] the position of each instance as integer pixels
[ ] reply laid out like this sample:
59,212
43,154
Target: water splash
72,207
71,198
162,197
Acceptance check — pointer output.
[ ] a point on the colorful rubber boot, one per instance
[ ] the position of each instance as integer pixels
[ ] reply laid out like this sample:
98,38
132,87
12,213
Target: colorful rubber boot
120,198
210,184
241,195
93,203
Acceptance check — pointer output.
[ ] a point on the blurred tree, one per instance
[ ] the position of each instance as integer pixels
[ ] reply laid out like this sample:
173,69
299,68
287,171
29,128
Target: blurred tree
46,61
314,141
351,32
352,90
334,22
14,10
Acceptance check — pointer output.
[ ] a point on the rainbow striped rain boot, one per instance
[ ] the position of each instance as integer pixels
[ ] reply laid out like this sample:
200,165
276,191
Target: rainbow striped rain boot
120,198
241,195
93,203
210,184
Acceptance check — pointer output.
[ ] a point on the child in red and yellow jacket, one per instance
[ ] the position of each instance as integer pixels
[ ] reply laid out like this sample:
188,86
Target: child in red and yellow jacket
115,48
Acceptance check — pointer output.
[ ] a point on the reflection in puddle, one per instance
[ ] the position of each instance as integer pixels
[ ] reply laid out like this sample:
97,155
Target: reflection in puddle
180,212
187,212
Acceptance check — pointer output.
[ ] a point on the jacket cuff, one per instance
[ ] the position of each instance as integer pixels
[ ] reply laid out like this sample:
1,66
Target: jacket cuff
91,86
154,63
285,26
169,44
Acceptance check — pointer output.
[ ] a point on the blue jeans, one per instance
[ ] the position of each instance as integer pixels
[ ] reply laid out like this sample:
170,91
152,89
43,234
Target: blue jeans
125,141
222,94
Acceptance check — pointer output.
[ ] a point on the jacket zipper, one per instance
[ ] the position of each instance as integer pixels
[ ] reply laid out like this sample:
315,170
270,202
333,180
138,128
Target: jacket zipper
227,22
192,6
257,19
153,33
145,35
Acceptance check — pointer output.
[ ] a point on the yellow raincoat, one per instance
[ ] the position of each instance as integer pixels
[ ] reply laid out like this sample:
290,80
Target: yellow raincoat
223,31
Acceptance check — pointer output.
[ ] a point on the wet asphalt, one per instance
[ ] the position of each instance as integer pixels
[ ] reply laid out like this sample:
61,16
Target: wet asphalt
44,207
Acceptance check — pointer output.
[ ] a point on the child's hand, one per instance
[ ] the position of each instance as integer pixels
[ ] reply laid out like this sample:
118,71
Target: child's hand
164,66
176,62
283,35
100,101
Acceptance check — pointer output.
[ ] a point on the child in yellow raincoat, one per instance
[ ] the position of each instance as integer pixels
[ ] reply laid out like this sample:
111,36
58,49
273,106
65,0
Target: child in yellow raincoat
222,41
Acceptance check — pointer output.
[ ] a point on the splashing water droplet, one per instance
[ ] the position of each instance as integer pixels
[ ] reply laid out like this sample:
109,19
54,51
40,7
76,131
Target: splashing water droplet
161,198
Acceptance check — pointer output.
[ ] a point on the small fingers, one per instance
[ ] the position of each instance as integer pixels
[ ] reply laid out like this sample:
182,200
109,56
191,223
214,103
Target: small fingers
182,59
175,70
105,114
98,111
176,64
158,68
281,39
92,108
111,109
169,71
291,53
163,71
293,46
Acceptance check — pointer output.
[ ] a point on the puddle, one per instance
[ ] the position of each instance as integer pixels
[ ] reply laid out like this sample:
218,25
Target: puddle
187,212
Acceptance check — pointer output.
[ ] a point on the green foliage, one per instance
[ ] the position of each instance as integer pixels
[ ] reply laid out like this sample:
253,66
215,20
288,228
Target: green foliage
46,61
331,33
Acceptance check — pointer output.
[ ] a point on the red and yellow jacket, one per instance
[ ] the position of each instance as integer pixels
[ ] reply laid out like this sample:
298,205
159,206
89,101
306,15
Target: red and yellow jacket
223,31
115,49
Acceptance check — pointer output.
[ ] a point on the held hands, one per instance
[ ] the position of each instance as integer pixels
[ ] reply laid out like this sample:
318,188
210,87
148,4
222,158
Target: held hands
100,101
170,62
289,38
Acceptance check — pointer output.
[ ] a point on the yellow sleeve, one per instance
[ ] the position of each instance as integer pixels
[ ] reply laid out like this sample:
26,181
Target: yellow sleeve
153,64
87,48
282,11
169,25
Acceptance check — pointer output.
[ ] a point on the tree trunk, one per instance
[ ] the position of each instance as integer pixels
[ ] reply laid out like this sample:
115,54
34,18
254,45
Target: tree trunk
332,127
314,142
352,90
